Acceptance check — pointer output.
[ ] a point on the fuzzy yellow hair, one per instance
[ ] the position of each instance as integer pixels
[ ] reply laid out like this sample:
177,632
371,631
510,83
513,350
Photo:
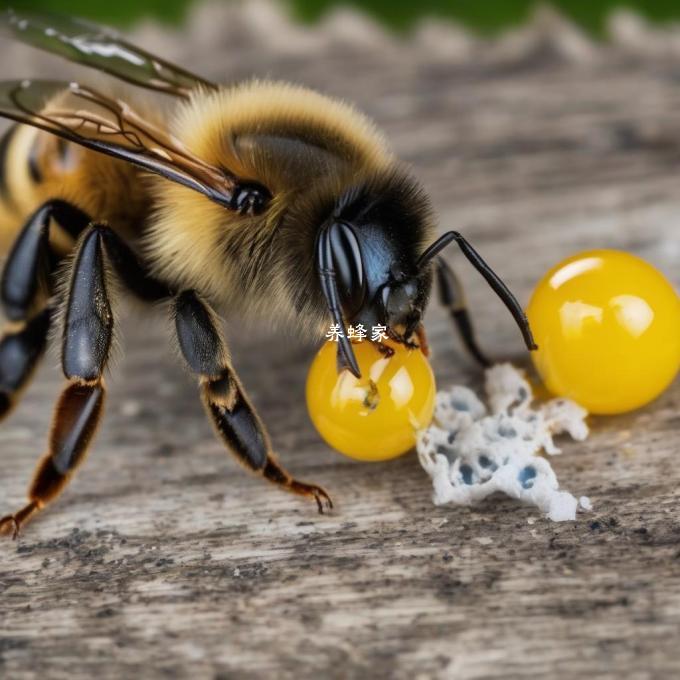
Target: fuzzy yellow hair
229,128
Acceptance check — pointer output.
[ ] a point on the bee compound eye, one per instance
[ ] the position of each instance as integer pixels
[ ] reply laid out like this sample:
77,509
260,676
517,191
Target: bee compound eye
250,199
349,268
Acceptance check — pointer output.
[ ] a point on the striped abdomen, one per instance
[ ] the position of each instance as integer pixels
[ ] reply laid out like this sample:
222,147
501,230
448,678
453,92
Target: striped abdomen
36,166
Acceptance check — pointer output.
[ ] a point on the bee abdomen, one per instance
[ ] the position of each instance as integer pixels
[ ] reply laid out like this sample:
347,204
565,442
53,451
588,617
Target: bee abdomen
20,180
5,145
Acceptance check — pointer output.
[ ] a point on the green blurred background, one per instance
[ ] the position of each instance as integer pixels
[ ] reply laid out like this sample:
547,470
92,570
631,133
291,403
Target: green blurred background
483,16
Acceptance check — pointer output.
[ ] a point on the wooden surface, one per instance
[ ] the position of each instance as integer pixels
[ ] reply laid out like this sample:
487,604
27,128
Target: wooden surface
165,559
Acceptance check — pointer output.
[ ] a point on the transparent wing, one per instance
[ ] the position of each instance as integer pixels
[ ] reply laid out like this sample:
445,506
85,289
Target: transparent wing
99,48
82,115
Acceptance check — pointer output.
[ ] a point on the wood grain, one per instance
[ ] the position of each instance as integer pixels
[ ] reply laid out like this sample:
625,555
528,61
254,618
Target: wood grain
165,559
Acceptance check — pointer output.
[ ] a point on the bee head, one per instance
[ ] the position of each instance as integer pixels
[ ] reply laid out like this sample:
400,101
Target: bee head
367,257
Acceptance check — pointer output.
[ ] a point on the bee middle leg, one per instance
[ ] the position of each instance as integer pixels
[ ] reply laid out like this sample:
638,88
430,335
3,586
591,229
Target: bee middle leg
225,401
86,346
24,293
452,296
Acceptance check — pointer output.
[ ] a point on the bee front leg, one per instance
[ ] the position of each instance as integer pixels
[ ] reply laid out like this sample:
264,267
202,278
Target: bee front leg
452,297
226,403
24,291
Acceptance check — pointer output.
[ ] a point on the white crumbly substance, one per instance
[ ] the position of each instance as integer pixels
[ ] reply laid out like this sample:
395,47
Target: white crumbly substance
471,451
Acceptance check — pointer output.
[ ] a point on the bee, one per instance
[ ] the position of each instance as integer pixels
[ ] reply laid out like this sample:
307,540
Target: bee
256,200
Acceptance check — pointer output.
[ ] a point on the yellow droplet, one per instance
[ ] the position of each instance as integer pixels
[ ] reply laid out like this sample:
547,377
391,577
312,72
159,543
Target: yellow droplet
375,417
608,329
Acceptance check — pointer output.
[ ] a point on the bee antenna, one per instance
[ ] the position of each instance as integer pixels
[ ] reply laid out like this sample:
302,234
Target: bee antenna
326,269
503,292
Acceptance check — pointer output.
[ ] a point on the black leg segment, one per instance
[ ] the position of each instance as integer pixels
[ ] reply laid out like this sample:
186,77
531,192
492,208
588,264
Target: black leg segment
489,275
199,338
88,325
229,408
20,351
88,328
452,296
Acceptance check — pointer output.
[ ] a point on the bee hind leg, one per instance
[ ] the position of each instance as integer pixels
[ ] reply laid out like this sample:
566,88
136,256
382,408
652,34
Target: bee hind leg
24,290
230,411
87,335
86,346
452,297
86,342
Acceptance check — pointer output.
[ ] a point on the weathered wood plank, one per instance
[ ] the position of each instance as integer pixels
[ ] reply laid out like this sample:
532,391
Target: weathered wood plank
165,559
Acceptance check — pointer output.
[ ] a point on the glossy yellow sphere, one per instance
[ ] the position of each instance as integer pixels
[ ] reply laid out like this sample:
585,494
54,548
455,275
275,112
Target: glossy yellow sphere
375,417
608,329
